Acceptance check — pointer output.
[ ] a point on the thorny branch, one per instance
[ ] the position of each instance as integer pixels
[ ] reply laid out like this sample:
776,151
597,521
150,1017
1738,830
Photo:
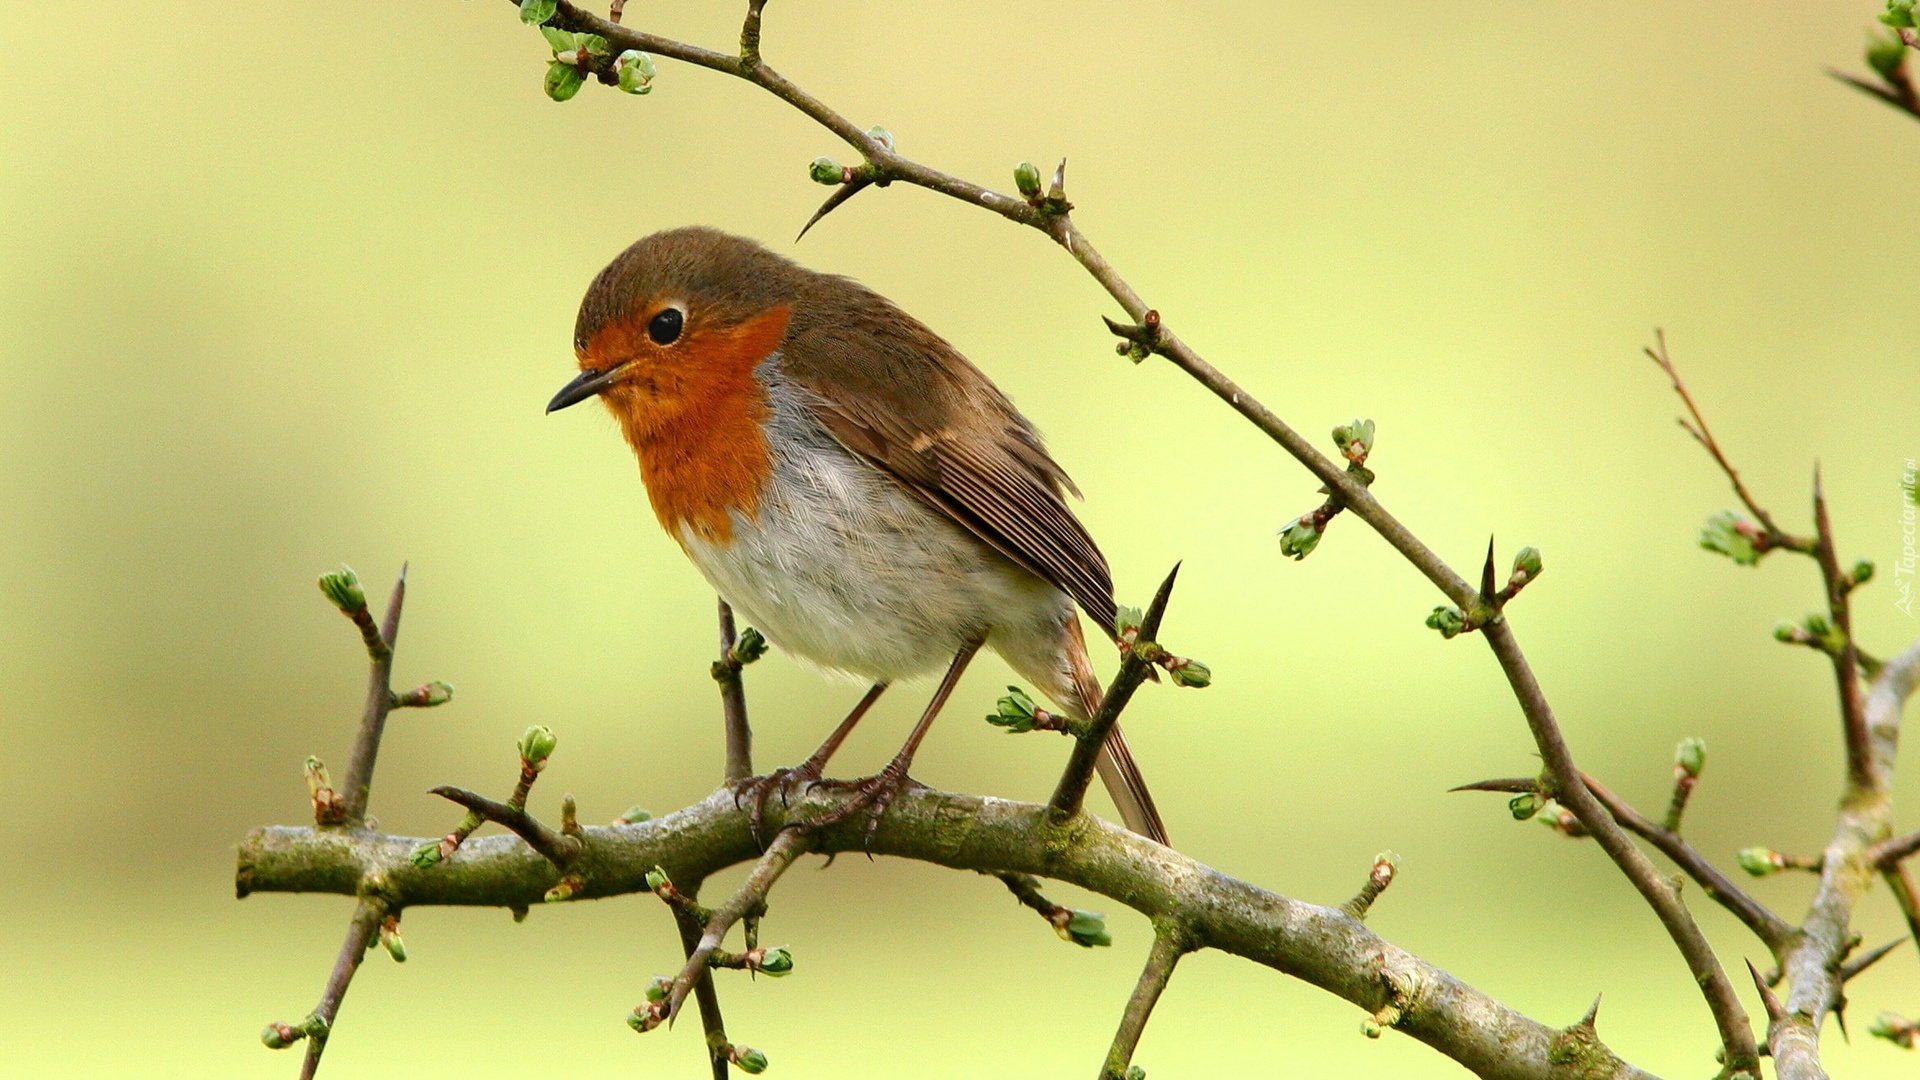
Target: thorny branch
1192,906
1321,945
1050,213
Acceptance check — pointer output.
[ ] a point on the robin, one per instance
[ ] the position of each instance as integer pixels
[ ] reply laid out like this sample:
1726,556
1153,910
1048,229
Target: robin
848,482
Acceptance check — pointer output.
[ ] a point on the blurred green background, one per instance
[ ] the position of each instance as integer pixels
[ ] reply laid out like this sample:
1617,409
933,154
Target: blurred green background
284,286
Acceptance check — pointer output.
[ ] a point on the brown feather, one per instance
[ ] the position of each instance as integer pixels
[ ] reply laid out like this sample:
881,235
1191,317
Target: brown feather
898,395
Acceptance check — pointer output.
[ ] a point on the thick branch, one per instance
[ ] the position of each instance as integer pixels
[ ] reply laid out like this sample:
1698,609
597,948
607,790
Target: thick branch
1323,946
1848,866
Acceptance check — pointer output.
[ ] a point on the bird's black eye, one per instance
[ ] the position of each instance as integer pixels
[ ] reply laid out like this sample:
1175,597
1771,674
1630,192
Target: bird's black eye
664,328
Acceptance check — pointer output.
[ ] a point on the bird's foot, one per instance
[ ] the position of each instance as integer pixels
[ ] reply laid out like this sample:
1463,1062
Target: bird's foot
872,793
754,790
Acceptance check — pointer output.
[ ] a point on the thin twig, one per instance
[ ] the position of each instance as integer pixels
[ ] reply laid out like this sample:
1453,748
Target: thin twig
1846,662
557,848
733,703
360,936
1169,945
1136,663
1702,434
1771,929
1900,97
704,992
749,899
1730,1017
373,717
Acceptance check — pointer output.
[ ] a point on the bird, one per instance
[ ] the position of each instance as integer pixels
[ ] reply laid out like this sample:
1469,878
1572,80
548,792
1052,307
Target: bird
848,482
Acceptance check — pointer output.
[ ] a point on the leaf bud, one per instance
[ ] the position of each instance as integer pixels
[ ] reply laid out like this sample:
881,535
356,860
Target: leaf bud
1299,537
825,170
635,70
536,745
1026,178
342,586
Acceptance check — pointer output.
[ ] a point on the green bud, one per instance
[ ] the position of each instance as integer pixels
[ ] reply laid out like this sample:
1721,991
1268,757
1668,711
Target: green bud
536,746
1818,626
1135,1072
425,855
1892,1027
342,586
749,1060
750,646
592,44
396,948
1862,572
279,1036
881,135
1355,440
1299,538
1190,673
1126,622
1026,178
636,70
1885,55
1759,861
635,815
1733,536
318,780
657,879
1450,621
559,40
825,170
1014,711
659,988
1084,928
1526,565
1690,756
1787,632
427,696
1371,1028
537,12
563,80
1899,13
776,962
1525,805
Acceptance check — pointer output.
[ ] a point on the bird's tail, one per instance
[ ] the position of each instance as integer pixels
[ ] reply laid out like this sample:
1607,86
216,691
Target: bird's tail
1115,762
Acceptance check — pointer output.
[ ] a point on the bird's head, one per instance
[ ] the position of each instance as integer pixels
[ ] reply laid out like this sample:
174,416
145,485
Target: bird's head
676,318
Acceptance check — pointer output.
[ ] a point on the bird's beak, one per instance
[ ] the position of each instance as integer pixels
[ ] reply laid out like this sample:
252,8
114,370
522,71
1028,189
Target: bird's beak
590,383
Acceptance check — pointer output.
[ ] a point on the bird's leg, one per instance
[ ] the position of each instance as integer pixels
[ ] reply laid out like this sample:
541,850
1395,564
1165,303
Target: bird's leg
876,792
759,787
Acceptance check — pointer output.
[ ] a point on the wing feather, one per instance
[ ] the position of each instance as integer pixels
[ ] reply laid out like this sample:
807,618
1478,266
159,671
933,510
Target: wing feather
899,396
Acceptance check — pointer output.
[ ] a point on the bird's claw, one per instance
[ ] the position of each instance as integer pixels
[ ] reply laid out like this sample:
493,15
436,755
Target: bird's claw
872,793
758,788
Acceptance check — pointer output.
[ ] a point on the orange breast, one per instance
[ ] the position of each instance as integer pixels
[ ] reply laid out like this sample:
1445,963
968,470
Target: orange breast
695,416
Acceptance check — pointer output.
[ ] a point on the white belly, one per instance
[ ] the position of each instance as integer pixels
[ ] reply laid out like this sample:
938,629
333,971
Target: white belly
841,566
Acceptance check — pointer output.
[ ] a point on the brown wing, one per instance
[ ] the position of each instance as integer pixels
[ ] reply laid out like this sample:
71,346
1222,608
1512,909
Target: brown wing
897,395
